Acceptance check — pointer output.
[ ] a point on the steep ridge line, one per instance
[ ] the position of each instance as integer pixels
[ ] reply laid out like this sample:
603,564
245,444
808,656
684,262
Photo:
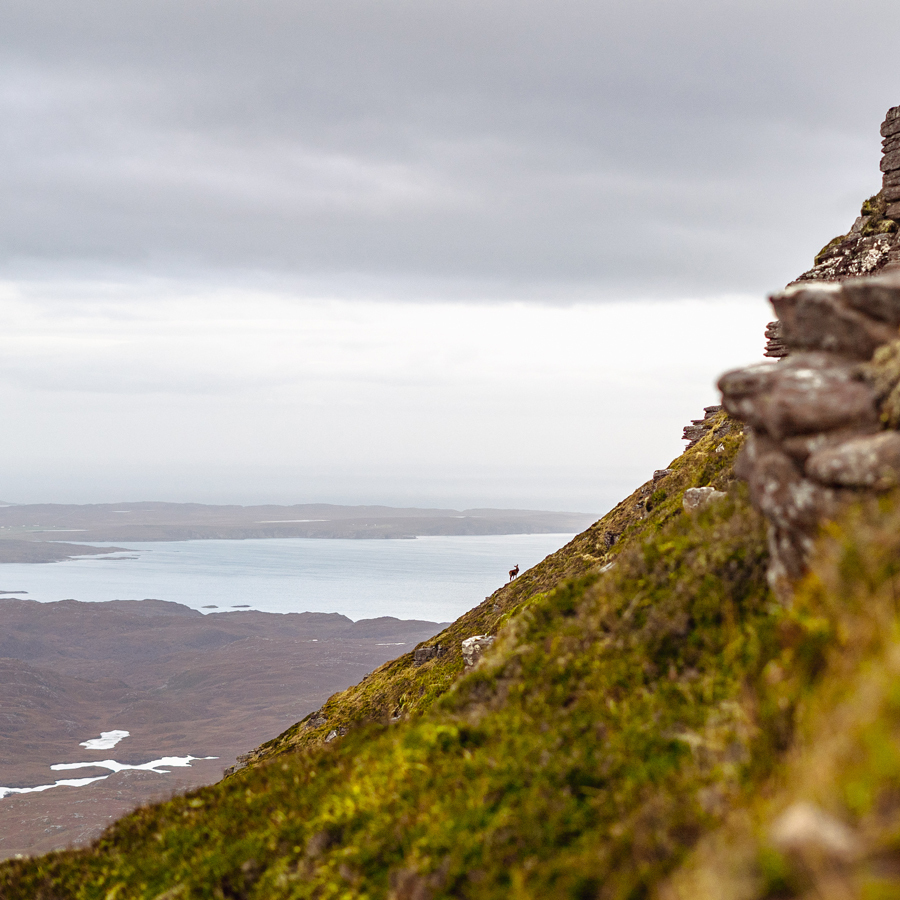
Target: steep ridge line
592,698
402,689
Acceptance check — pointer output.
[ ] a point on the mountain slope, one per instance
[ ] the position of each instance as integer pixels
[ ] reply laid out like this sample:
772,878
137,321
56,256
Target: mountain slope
598,741
635,731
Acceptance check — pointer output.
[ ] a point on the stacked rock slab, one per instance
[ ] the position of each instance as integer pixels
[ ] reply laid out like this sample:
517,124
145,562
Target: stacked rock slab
696,431
890,162
873,243
821,426
775,348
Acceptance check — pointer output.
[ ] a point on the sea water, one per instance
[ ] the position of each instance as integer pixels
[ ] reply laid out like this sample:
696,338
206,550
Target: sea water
431,578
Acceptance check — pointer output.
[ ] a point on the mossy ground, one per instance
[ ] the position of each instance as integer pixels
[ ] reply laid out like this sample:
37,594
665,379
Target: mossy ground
402,689
846,756
612,726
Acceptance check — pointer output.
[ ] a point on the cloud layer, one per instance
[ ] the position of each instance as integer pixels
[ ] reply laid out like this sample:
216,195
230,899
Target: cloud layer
249,397
435,150
410,251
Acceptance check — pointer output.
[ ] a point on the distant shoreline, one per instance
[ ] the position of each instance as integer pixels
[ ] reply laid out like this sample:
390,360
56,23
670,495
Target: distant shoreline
31,533
20,551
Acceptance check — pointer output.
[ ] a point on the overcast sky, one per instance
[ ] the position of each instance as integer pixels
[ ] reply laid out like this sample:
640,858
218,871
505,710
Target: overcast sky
406,252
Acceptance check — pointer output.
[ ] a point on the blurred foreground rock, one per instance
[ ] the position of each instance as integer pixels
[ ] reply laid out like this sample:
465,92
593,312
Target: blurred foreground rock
822,421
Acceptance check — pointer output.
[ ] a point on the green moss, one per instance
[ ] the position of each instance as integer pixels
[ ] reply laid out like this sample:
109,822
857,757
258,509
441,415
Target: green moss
656,498
875,205
877,222
840,670
827,249
585,755
878,225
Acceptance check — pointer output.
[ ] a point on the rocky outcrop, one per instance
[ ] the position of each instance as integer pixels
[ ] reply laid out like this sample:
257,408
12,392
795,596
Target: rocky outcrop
871,246
697,430
424,654
473,648
775,347
873,243
817,418
822,421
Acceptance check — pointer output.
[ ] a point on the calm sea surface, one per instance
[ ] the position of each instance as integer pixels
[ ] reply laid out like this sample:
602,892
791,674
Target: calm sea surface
433,578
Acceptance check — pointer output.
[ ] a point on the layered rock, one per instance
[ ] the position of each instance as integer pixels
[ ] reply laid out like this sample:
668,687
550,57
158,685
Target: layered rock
872,245
823,421
890,162
775,347
696,431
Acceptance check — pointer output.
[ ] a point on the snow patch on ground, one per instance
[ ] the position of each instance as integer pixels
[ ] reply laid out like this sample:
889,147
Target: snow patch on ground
106,741
113,766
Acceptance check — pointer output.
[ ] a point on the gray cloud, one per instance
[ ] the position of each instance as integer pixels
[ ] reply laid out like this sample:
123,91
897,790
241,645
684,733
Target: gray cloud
555,150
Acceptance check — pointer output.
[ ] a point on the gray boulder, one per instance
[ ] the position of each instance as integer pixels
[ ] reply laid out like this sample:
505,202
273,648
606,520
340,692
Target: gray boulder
473,648
867,461
698,498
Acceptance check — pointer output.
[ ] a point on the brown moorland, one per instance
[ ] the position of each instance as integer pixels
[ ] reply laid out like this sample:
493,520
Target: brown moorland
182,683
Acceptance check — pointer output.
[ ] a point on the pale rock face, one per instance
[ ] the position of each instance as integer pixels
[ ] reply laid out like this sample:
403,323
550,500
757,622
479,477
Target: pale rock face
801,447
787,499
870,461
804,828
698,498
808,393
877,296
473,648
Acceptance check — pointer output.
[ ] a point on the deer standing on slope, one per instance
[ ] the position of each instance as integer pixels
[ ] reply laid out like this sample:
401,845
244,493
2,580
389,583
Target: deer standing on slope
514,572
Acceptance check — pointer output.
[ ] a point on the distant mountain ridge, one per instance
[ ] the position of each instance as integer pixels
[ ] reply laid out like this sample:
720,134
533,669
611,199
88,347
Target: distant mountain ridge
152,521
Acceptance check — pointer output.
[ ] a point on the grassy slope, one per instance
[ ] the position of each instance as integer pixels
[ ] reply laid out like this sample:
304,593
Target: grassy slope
619,717
846,757
634,733
400,688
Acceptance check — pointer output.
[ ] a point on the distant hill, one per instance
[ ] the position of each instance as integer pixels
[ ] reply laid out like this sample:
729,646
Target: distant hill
192,521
